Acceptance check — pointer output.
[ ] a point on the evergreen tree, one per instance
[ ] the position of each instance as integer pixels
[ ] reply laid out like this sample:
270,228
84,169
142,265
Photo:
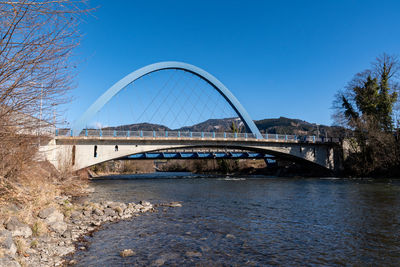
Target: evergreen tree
367,107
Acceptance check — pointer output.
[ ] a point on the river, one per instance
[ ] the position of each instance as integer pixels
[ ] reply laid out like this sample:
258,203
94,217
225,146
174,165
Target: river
249,221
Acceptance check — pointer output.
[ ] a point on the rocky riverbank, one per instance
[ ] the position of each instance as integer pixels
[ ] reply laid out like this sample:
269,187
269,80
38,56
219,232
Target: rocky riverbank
57,229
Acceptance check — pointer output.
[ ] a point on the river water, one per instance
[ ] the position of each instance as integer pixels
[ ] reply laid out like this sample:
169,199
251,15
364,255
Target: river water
250,221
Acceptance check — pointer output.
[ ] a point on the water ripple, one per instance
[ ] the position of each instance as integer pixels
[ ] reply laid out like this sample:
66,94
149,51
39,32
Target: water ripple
249,221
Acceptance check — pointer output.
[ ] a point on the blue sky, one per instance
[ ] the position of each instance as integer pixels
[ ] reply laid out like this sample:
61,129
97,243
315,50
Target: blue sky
279,58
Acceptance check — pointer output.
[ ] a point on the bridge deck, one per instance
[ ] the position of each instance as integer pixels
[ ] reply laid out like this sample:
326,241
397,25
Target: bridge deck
89,149
194,136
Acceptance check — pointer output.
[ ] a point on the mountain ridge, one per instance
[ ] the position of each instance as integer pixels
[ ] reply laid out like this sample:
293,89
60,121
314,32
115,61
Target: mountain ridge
281,125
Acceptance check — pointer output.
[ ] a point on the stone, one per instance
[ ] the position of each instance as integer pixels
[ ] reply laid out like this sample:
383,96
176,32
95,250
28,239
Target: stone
67,234
123,206
62,198
75,215
159,262
175,204
64,250
87,212
98,218
145,208
51,215
96,223
113,205
109,212
6,243
230,236
13,207
58,227
193,254
127,253
118,207
98,212
9,262
144,203
46,212
119,210
18,228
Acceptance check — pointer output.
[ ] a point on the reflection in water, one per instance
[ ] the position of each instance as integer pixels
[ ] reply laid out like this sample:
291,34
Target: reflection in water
250,221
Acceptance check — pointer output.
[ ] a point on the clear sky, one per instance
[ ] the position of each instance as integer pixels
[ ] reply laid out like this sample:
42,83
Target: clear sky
279,58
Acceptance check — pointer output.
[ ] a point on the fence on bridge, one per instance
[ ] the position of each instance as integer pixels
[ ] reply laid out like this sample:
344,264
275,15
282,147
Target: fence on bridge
193,135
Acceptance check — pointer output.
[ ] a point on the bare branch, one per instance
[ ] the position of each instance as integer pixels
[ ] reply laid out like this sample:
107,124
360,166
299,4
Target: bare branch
36,42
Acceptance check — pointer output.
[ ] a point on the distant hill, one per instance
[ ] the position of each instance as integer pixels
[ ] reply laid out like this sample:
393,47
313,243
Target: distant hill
280,125
139,126
214,125
284,125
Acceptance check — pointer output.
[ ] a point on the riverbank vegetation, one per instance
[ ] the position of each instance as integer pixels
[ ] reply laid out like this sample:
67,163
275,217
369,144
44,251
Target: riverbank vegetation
369,106
37,39
201,166
36,75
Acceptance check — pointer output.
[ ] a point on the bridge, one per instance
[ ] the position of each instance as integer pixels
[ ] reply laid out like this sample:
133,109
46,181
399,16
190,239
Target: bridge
80,147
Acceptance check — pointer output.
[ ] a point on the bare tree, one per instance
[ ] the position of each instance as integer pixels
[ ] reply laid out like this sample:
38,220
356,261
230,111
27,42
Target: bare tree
36,41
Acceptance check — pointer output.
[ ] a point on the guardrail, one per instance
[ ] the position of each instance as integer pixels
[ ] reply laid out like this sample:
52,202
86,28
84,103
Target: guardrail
193,135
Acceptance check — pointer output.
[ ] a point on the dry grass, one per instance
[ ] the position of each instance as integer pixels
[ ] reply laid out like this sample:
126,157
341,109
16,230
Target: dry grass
36,187
123,166
39,228
21,246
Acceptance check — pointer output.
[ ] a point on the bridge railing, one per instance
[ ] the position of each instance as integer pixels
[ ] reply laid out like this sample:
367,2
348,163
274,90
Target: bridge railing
188,134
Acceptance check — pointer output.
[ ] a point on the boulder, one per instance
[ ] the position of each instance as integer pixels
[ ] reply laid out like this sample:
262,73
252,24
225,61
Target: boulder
64,250
46,212
51,215
58,227
18,228
9,262
67,234
13,207
7,244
